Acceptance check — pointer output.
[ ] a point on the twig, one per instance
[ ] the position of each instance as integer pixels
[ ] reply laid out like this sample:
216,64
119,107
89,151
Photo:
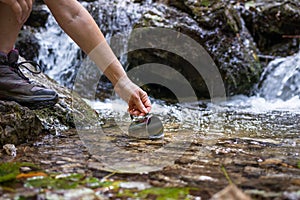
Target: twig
109,175
226,175
291,36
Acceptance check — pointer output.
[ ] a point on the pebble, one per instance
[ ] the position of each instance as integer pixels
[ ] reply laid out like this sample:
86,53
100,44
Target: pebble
10,149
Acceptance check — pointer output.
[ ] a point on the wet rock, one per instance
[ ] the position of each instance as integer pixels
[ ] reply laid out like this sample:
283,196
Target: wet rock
80,193
291,195
274,25
38,16
28,44
222,33
137,185
17,123
10,149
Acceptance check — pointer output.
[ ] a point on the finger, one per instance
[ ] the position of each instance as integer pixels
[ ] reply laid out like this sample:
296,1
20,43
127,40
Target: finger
140,106
130,110
29,5
137,113
136,103
146,101
133,110
16,7
148,105
25,9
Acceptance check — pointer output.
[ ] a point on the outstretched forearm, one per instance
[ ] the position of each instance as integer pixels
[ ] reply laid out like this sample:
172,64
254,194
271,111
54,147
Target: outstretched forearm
82,28
75,20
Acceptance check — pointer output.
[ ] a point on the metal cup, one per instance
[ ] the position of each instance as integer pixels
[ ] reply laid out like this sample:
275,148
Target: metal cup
146,127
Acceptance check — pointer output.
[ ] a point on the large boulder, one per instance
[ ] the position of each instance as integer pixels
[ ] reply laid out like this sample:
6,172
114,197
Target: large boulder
219,28
275,25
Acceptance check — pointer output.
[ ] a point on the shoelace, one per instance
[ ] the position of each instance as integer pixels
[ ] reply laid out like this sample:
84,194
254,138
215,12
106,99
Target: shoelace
16,68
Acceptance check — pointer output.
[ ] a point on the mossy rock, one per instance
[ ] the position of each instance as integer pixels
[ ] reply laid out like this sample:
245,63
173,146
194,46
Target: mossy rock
220,30
19,124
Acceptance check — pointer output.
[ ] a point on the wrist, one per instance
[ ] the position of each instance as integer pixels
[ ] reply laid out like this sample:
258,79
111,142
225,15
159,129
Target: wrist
125,88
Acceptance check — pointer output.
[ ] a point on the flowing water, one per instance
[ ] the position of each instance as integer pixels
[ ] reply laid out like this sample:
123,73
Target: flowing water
60,57
58,54
272,113
248,130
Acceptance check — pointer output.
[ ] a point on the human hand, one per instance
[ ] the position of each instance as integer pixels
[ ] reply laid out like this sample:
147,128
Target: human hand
137,99
21,8
139,103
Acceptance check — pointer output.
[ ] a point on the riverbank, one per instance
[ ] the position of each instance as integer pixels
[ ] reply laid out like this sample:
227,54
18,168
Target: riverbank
248,141
259,155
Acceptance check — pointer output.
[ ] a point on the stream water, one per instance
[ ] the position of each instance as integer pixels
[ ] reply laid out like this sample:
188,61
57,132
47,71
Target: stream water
276,96
259,128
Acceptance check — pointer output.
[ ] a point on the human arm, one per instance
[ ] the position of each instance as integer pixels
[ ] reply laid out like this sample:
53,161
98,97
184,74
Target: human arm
81,27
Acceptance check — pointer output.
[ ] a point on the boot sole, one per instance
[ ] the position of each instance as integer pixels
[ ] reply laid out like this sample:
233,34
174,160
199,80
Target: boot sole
32,102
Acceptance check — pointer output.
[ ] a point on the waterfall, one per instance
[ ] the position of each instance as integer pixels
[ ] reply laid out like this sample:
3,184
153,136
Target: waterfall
60,57
58,54
278,89
281,79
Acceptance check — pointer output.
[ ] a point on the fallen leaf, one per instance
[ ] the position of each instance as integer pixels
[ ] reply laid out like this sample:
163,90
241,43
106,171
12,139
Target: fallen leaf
30,175
231,192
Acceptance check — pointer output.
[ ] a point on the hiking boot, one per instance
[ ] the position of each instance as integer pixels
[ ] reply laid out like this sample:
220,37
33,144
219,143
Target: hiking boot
15,86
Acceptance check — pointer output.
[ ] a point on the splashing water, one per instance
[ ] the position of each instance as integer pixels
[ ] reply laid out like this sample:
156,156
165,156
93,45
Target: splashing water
281,79
57,53
278,90
262,117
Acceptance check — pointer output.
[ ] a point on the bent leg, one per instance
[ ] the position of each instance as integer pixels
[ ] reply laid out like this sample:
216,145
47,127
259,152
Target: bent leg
9,28
13,85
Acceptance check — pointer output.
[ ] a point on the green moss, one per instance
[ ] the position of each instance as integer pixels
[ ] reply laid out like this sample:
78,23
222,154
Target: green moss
205,3
69,181
10,170
92,182
299,164
158,193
